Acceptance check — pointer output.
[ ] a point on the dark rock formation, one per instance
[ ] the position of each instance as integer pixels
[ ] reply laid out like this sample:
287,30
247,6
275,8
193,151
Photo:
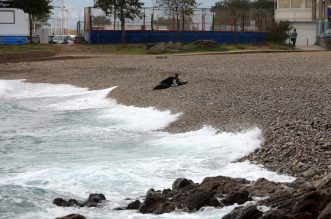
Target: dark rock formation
275,214
61,202
296,200
324,182
134,205
92,201
72,216
74,202
304,204
239,197
247,212
326,213
198,199
190,196
155,203
312,202
263,187
223,184
180,183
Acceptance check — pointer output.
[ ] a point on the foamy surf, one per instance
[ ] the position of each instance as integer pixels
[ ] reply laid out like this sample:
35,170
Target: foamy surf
64,141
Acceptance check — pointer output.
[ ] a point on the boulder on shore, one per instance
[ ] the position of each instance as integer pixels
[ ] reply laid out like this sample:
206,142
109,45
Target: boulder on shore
297,200
92,201
72,216
247,212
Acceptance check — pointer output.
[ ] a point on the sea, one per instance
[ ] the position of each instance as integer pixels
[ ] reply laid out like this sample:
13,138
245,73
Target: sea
66,141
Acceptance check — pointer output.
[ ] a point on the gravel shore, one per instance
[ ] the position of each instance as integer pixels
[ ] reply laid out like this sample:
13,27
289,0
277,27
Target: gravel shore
287,95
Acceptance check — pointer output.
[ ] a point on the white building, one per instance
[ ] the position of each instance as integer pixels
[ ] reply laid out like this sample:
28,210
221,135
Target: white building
305,16
299,13
14,23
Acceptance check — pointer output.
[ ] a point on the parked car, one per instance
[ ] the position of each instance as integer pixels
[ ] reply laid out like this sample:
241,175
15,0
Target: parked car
62,39
76,40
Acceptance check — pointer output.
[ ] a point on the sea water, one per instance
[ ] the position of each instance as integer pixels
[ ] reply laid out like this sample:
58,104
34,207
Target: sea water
65,141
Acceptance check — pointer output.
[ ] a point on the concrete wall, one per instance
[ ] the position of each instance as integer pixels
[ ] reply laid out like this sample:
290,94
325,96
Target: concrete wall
13,22
306,31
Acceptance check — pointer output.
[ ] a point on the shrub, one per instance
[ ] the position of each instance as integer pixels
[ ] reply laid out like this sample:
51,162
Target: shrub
279,32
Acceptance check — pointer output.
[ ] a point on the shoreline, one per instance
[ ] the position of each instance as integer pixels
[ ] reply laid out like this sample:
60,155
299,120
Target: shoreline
289,105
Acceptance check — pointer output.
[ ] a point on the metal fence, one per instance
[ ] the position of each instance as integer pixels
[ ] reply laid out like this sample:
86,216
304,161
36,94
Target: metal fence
202,19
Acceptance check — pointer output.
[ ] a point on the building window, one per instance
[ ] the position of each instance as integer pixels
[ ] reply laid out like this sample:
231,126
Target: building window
284,3
297,4
7,17
309,3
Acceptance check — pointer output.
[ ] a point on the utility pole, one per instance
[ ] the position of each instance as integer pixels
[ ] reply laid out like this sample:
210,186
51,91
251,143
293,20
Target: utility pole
62,17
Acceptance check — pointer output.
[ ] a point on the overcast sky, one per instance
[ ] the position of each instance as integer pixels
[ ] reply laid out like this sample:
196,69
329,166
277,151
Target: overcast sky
76,6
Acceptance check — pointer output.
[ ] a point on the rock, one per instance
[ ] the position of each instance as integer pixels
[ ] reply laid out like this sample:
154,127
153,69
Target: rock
263,187
119,209
247,212
134,205
302,216
215,203
174,46
324,183
158,48
182,194
239,197
312,202
308,173
177,45
150,45
97,197
167,193
156,204
170,45
61,202
275,214
165,208
180,183
72,216
150,191
198,199
223,184
74,202
326,213
94,199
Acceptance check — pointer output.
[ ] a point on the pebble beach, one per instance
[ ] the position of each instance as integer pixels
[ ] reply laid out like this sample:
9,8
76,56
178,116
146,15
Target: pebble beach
286,95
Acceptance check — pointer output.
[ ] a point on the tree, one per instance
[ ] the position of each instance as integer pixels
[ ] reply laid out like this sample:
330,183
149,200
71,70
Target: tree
231,4
121,9
230,10
33,8
179,7
263,4
100,21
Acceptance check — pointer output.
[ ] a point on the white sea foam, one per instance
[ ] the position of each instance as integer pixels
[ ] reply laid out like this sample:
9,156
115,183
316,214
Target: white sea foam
69,142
